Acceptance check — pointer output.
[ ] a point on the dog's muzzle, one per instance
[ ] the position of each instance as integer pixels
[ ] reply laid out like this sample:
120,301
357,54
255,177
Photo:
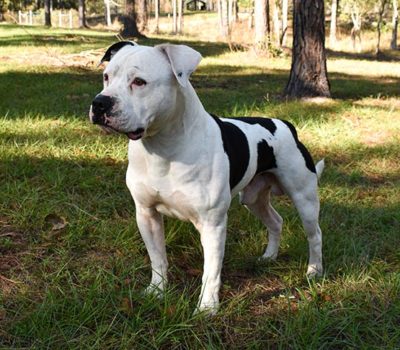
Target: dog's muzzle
101,106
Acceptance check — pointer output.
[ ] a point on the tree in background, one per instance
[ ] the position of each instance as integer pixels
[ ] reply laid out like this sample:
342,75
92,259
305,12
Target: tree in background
82,14
142,16
181,4
174,17
261,25
308,73
285,8
357,10
276,22
395,24
128,20
157,15
224,18
332,32
233,15
381,9
47,13
108,12
2,10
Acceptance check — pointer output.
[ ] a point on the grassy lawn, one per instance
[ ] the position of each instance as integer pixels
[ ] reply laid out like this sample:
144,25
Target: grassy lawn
73,265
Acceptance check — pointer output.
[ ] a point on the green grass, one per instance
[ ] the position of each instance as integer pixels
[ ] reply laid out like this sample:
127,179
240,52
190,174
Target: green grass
80,287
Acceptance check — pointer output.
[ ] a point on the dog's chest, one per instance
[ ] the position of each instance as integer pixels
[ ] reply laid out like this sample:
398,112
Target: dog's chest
170,188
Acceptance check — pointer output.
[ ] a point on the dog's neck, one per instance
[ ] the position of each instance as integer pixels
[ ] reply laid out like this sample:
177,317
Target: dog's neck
185,123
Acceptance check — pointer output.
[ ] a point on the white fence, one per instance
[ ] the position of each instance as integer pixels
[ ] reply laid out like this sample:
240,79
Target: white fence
25,17
65,19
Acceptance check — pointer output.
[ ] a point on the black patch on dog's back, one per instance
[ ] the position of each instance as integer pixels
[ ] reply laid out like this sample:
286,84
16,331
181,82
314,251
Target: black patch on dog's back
237,149
264,122
265,157
303,150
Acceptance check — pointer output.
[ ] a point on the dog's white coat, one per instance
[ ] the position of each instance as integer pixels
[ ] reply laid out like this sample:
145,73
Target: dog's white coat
179,168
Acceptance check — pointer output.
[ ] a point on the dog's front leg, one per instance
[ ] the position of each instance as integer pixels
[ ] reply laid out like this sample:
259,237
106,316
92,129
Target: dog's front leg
213,242
151,227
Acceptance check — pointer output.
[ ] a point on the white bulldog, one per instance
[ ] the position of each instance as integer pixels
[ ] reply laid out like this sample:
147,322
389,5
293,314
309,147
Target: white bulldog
188,164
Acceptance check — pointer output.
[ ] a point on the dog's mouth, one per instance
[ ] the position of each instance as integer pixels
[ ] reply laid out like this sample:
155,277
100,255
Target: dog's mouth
135,135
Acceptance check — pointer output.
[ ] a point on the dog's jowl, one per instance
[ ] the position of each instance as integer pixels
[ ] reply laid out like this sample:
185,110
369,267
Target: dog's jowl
188,164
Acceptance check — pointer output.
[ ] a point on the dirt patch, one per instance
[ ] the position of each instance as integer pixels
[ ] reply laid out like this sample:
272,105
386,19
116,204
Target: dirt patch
373,138
12,244
87,59
368,133
391,103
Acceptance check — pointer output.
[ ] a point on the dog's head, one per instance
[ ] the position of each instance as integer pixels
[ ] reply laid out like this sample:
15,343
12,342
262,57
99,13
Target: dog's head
141,87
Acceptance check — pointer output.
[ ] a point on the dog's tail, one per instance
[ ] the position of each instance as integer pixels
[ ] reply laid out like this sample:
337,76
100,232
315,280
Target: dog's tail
320,168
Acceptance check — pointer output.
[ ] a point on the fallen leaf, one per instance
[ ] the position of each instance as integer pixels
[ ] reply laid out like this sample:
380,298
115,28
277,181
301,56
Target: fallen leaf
126,306
171,310
56,222
194,272
3,314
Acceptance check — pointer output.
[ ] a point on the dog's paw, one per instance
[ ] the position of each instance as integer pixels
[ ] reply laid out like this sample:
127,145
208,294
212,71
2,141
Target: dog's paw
314,271
268,256
206,309
154,290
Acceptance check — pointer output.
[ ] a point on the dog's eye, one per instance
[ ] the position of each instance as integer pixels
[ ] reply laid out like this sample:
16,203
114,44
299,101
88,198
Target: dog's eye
138,82
105,77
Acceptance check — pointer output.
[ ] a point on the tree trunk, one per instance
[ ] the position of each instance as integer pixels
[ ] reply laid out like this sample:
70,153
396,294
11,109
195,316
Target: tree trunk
142,15
224,19
180,16
308,74
157,15
284,22
128,20
277,24
261,24
219,10
174,17
382,6
47,13
235,11
332,32
82,14
108,12
395,24
356,30
232,12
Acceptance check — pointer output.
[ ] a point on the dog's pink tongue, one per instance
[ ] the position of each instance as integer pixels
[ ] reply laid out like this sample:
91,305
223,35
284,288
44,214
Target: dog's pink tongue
134,135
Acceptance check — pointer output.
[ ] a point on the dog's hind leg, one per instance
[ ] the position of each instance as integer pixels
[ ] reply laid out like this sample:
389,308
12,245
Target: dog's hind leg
307,204
256,197
305,198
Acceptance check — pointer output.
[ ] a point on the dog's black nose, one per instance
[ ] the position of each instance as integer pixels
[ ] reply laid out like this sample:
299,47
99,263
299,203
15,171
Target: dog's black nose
101,105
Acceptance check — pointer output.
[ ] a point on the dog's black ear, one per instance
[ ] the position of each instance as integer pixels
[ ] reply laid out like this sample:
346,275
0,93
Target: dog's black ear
113,49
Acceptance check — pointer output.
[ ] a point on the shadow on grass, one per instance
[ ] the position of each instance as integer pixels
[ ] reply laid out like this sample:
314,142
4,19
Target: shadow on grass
83,276
54,39
361,56
34,187
224,90
42,36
